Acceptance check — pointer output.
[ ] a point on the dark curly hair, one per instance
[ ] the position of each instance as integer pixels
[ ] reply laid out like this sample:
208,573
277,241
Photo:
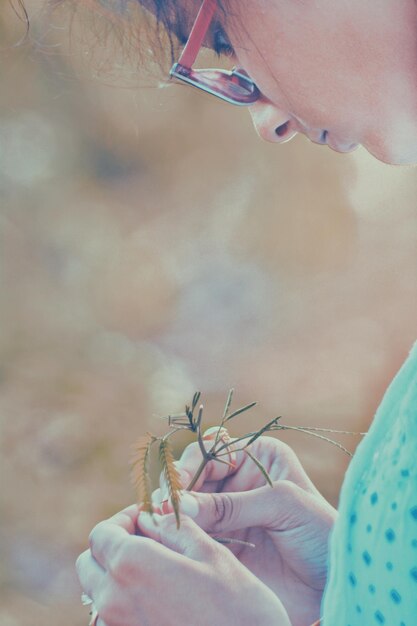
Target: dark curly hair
18,7
165,31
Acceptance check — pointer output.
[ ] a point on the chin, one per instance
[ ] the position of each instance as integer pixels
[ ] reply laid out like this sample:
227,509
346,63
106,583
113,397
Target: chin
399,149
389,157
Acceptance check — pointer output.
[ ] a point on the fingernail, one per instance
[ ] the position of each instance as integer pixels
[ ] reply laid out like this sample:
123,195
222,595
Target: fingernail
210,433
166,507
189,505
147,520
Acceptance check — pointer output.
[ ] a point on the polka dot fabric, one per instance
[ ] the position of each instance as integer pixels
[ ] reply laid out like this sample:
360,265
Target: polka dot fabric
373,550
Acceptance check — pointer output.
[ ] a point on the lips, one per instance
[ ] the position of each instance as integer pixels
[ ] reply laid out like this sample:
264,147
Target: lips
315,135
340,146
323,137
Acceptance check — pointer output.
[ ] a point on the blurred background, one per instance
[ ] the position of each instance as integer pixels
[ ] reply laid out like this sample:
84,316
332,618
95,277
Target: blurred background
152,246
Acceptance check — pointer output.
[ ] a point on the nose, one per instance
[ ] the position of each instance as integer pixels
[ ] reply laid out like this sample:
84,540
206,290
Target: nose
272,123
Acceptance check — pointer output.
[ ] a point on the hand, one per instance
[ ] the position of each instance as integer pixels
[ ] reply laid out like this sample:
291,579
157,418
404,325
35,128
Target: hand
288,523
170,577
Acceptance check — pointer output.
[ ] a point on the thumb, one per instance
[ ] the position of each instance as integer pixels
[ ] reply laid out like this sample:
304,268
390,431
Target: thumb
283,506
189,539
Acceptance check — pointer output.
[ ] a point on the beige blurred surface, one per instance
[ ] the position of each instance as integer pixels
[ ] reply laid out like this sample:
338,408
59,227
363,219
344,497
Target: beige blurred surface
152,245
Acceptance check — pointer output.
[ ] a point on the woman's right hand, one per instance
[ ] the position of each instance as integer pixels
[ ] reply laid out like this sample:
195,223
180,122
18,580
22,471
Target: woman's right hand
288,523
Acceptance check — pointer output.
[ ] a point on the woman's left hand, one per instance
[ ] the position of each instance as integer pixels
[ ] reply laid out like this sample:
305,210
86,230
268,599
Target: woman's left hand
156,574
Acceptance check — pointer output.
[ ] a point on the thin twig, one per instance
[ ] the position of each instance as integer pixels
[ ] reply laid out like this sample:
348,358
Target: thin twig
199,417
313,434
224,418
234,441
223,445
241,410
228,403
247,544
264,429
204,452
197,475
332,430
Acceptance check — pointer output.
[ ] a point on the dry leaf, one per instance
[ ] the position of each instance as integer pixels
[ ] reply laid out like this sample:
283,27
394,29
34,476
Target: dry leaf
140,471
172,476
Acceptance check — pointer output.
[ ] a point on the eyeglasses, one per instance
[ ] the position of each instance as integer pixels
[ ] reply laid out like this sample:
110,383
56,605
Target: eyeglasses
234,86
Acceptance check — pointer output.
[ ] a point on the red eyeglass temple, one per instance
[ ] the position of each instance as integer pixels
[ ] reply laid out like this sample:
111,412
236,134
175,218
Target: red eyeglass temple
198,32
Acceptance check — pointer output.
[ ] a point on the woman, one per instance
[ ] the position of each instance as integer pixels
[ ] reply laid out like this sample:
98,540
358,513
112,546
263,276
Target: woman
343,74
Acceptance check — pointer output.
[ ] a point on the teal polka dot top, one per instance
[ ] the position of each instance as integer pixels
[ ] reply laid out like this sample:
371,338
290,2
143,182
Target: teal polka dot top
373,548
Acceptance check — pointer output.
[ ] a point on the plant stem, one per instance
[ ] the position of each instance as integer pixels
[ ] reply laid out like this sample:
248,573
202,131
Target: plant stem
198,473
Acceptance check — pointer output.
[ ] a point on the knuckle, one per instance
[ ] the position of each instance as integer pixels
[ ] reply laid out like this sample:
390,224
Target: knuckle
168,522
211,432
107,608
283,454
190,456
120,561
93,534
79,563
186,524
214,553
223,508
130,563
279,446
287,452
286,489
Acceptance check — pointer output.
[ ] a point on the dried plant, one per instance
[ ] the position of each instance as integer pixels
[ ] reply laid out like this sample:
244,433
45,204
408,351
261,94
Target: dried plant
140,471
221,446
172,476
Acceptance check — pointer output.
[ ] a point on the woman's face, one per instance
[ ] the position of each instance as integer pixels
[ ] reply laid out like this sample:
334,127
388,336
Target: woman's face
348,67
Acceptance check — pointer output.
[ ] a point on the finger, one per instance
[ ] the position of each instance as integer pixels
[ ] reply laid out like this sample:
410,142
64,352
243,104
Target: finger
90,573
127,518
279,508
189,540
213,471
156,501
112,537
210,486
278,458
162,506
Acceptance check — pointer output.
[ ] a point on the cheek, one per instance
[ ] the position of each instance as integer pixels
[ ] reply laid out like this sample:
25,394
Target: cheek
334,70
321,94
311,98
312,88
314,68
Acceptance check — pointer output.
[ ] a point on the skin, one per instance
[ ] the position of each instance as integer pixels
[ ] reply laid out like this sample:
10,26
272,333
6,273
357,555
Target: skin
131,562
155,574
348,67
288,523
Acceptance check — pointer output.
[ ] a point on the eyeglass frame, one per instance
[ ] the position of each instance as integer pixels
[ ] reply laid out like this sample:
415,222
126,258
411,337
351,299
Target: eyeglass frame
183,70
